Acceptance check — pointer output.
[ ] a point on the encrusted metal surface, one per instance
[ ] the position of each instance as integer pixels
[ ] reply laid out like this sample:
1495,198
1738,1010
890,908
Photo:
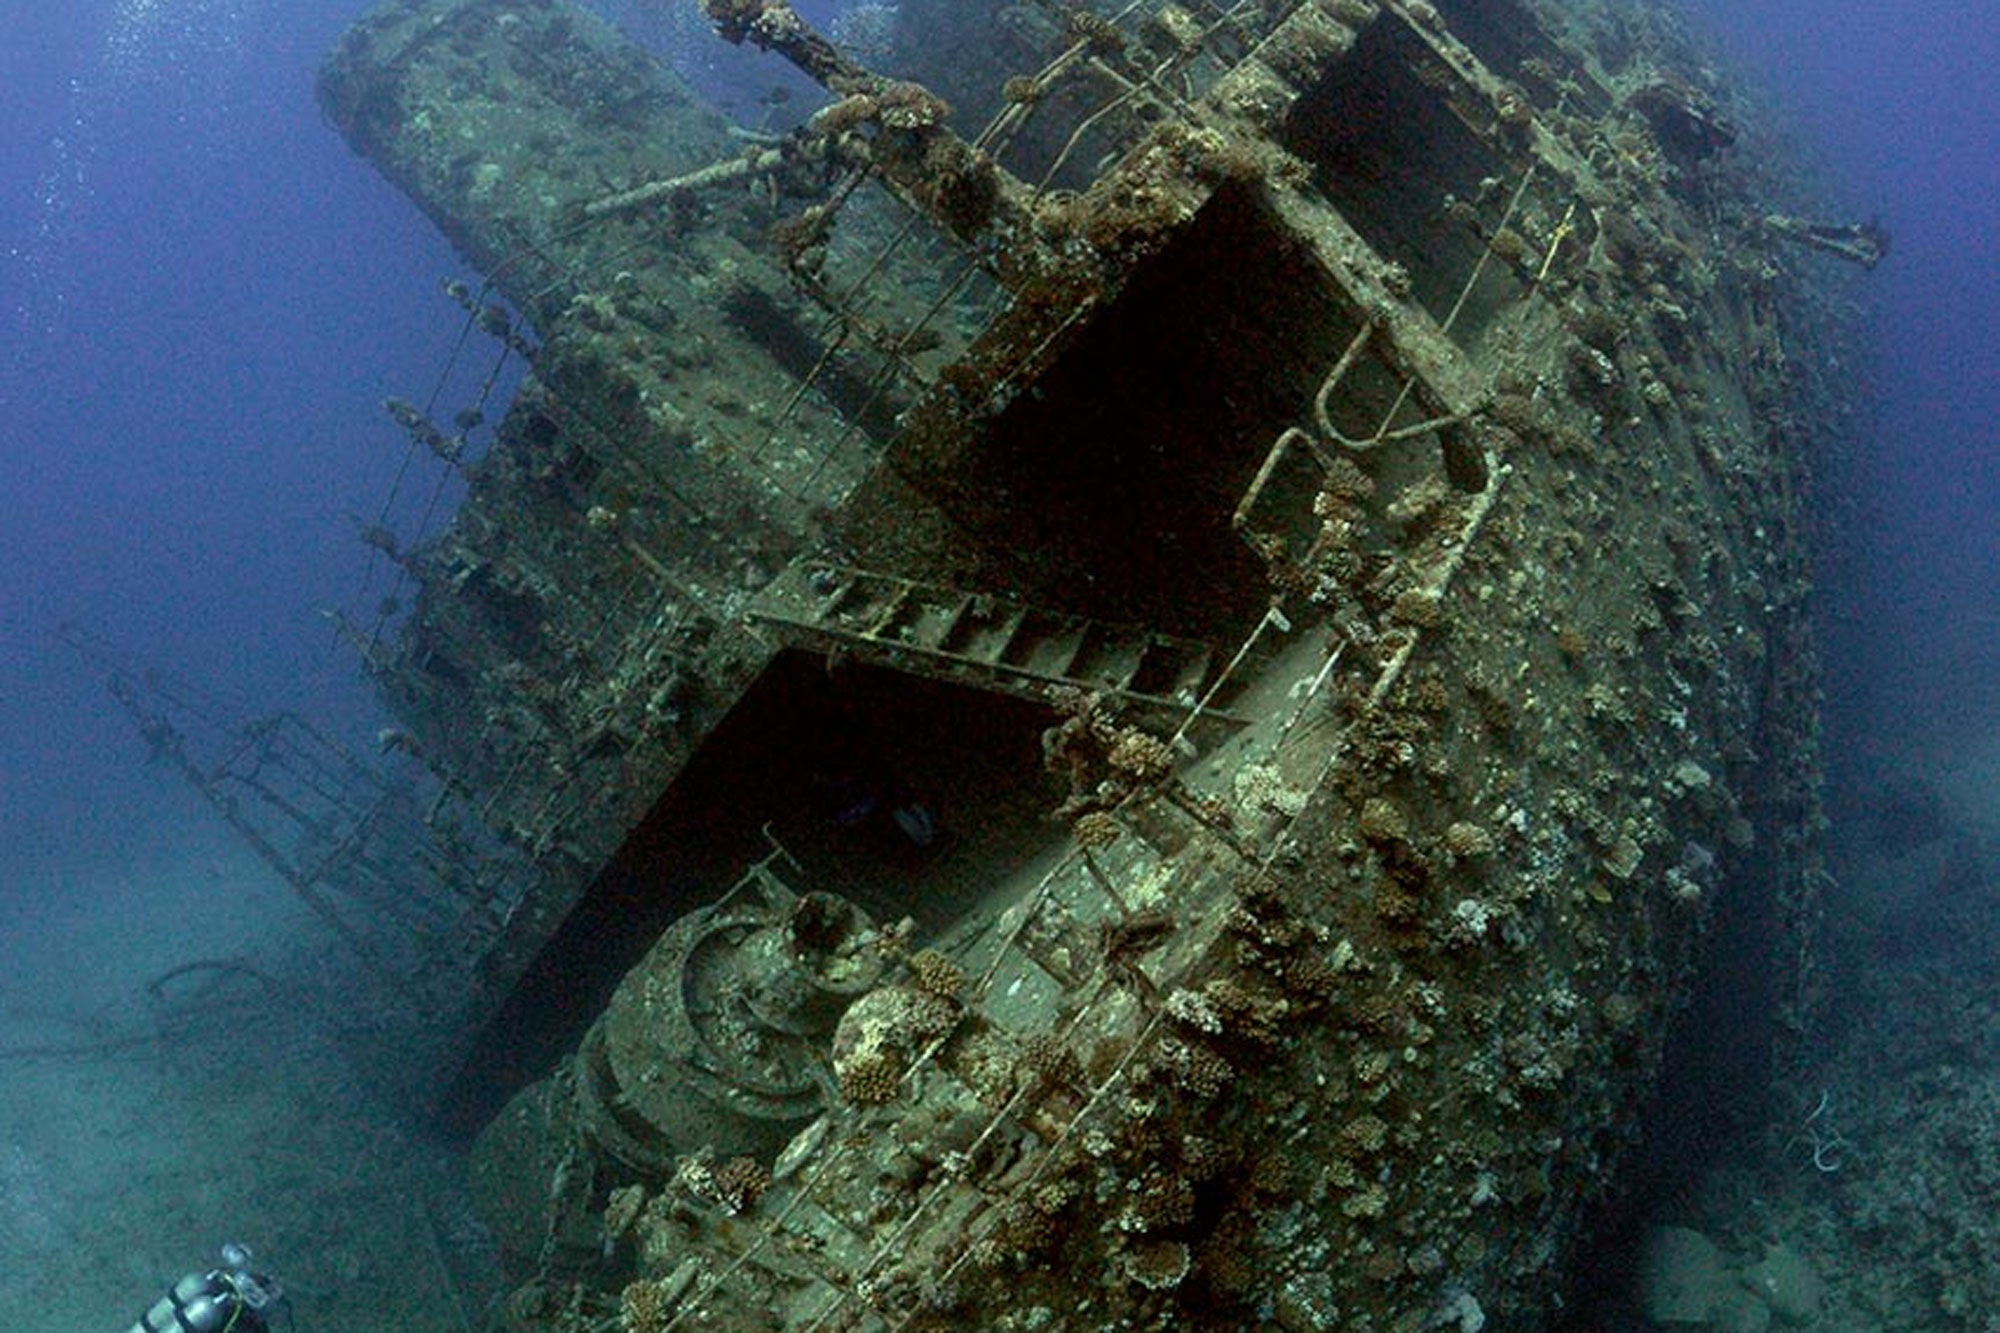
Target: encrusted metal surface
1366,368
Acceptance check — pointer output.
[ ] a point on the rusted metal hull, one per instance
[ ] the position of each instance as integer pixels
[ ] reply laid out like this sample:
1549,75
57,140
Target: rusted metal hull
1322,453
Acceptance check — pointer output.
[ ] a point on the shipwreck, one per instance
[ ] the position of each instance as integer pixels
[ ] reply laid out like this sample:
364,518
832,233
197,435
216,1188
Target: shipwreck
1122,657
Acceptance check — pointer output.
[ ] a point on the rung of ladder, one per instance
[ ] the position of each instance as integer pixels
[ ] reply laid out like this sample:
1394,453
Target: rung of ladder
890,610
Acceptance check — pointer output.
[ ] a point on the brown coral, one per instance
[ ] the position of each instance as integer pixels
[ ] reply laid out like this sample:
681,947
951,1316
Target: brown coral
1196,1068
1465,840
869,1081
1158,1265
1346,481
1419,607
1022,89
935,974
1104,37
848,113
1251,1013
739,1183
733,18
1048,1061
1383,822
880,1037
1363,1135
1141,756
1156,1201
1098,829
1510,247
644,1308
909,106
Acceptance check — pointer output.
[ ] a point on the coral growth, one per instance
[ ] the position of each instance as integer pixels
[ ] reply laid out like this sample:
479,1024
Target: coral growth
880,1036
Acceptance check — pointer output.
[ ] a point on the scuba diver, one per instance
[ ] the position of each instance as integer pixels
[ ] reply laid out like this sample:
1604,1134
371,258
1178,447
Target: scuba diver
234,1298
863,802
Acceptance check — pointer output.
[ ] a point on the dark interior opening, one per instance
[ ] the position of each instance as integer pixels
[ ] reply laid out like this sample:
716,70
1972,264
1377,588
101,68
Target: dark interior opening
1108,489
1387,149
909,796
1511,42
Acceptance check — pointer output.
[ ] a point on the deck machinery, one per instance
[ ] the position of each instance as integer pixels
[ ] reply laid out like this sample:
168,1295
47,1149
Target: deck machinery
1134,657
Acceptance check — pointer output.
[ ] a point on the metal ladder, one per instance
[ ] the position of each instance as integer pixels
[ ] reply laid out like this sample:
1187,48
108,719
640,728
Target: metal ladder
989,641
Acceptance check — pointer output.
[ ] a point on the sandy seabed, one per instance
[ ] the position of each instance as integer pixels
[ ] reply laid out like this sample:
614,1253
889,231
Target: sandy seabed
139,1131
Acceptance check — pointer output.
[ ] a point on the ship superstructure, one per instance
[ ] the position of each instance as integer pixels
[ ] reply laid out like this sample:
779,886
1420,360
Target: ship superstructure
1148,643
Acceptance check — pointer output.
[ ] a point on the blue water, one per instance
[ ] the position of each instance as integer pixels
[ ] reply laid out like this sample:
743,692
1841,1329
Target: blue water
1901,101
205,297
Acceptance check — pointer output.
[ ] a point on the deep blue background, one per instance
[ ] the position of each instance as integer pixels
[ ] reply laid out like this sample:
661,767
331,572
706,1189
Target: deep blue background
1900,98
204,297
